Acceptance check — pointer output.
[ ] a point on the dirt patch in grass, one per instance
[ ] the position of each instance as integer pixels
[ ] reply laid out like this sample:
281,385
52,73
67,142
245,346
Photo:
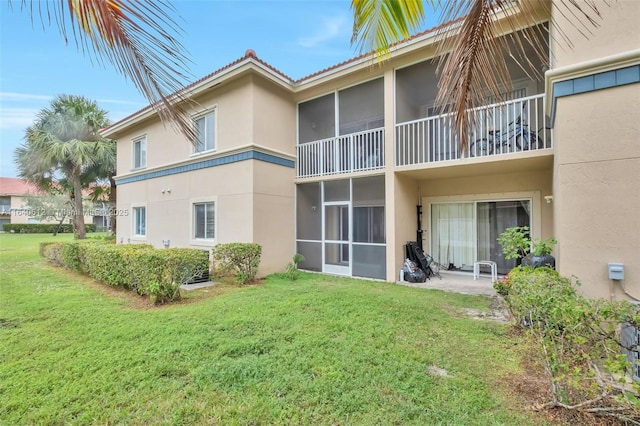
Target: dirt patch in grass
135,301
530,390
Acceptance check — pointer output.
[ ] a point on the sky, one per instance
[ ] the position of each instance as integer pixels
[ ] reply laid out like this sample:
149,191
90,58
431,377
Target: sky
297,37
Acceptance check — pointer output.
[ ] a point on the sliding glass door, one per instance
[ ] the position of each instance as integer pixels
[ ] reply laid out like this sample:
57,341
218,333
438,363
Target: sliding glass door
493,218
467,231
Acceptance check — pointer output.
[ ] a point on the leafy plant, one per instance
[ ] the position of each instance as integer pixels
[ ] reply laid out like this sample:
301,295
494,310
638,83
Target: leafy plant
542,247
291,271
243,259
578,339
516,242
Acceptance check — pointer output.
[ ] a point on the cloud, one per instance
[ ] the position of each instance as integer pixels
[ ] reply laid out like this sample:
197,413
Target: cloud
17,118
331,27
22,97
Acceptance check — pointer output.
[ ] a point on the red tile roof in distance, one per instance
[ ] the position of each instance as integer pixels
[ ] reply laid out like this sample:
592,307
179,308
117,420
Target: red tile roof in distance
15,186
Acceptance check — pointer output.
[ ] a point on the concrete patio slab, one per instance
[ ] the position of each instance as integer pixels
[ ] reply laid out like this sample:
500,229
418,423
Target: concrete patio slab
457,282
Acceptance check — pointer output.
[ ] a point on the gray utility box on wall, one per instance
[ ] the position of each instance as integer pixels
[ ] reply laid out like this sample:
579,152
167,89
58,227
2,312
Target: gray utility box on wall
616,271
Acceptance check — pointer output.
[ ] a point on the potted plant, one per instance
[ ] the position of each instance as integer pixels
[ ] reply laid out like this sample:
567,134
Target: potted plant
517,244
540,254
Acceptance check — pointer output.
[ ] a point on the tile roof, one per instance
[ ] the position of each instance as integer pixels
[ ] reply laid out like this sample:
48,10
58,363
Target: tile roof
432,30
251,54
15,186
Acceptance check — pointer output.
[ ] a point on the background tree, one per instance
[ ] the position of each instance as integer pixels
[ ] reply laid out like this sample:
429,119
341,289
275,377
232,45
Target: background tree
472,55
50,206
139,38
64,151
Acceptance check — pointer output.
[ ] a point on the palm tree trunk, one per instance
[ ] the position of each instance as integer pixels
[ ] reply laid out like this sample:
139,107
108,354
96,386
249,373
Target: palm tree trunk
78,211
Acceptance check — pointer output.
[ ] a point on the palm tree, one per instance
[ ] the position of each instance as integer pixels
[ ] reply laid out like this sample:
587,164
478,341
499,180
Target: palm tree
471,52
63,148
139,38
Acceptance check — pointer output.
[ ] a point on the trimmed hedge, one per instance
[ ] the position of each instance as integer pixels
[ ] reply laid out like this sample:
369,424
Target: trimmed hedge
241,258
43,228
139,267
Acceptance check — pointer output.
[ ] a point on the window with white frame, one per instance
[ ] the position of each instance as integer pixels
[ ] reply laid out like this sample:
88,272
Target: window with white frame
205,132
140,153
140,221
204,220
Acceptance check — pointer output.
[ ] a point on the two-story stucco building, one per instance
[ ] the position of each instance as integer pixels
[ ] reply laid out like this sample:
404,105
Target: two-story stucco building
348,164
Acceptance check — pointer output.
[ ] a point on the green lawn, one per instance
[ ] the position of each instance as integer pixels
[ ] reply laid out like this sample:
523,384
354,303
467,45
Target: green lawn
320,350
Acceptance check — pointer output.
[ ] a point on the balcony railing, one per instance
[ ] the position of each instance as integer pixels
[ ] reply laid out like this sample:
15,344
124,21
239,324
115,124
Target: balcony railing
513,126
354,152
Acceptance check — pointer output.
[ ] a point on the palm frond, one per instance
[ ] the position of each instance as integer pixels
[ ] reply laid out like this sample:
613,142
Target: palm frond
379,23
138,37
473,53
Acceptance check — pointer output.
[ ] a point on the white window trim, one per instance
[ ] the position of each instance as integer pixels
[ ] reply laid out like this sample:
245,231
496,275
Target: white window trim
134,236
205,242
133,152
212,109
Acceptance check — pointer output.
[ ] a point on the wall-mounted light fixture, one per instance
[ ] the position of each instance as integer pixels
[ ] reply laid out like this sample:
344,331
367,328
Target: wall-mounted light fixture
314,208
166,243
548,198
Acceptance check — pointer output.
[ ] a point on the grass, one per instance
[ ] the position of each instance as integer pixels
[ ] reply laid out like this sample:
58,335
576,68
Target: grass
319,350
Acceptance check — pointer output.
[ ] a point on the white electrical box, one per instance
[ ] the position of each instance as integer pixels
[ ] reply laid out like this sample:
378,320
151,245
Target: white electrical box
616,271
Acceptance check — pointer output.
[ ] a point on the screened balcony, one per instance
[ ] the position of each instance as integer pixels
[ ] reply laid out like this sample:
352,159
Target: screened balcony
355,144
518,125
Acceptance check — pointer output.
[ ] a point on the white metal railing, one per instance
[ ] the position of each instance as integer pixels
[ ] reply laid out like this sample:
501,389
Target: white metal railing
513,126
354,152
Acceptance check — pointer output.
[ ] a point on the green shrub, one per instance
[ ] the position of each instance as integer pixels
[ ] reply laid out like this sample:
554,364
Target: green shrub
291,271
43,228
243,259
578,337
138,267
51,252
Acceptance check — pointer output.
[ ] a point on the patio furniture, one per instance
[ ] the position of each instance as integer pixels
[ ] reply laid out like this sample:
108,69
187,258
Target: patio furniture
490,263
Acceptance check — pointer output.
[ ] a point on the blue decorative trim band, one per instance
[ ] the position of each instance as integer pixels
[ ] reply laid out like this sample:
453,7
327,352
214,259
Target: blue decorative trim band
599,81
590,83
219,161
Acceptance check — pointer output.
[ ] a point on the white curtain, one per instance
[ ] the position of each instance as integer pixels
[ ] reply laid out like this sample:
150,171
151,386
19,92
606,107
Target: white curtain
452,234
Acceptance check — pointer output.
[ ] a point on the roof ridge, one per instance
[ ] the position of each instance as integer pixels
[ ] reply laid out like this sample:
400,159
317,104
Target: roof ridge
250,54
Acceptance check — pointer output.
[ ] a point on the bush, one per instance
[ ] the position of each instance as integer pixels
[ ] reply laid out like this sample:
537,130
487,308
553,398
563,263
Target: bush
43,228
242,259
138,267
292,271
578,337
51,252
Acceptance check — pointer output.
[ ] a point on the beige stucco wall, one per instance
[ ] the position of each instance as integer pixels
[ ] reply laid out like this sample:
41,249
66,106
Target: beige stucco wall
597,188
274,117
170,214
617,32
402,196
489,187
254,203
232,103
274,215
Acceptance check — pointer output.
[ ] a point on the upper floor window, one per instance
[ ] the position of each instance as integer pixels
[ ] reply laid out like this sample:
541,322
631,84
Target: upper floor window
140,153
205,132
